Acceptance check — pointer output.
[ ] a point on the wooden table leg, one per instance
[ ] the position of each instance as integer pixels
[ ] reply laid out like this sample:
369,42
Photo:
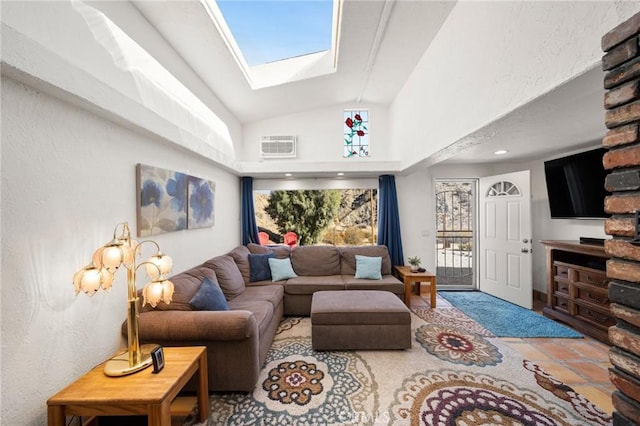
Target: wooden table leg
203,389
432,289
55,415
407,291
160,414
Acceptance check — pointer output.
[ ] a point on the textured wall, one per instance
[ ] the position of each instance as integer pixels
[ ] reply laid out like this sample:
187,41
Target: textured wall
68,177
508,54
415,196
79,49
320,137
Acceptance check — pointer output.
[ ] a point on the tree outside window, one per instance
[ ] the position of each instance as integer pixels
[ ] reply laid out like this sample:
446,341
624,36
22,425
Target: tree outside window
336,217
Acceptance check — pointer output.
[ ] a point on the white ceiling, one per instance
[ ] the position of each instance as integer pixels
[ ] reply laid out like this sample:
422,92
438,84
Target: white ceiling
380,44
567,118
362,74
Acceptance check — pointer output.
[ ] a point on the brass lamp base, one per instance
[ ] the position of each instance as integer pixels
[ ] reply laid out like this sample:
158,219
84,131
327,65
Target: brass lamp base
119,364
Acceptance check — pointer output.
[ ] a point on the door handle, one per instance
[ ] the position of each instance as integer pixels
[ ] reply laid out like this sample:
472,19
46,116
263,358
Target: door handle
524,250
525,240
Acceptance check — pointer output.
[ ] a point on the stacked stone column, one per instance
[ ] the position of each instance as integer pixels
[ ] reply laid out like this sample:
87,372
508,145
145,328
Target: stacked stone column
621,63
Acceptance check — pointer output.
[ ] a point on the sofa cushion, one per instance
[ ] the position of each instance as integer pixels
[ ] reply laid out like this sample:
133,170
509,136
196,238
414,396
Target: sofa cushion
348,258
209,297
241,256
316,260
368,267
271,293
185,285
262,310
387,283
259,269
281,269
229,276
266,282
309,285
281,251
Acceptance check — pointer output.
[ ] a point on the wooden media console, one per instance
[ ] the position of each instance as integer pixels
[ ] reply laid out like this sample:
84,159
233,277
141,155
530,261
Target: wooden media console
577,287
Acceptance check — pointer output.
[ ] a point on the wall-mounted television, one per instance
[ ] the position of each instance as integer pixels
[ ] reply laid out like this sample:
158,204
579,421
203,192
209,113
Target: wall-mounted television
575,185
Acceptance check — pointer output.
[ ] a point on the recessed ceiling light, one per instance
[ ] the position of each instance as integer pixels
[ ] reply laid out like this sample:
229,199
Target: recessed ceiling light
287,174
501,152
340,174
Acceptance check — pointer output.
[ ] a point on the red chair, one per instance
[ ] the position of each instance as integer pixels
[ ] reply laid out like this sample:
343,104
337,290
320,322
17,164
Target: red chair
291,239
264,238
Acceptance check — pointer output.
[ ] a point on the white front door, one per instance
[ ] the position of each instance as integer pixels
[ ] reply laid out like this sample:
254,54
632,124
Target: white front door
505,265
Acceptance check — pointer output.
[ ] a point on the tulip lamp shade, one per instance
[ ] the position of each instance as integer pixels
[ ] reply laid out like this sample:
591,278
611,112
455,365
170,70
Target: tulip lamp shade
123,251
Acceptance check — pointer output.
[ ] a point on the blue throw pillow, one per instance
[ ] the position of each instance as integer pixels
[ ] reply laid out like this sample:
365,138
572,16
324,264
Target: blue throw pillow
368,267
209,297
259,269
281,269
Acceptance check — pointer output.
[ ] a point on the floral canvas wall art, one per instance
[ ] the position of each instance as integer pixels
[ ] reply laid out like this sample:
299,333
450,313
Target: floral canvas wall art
201,202
161,200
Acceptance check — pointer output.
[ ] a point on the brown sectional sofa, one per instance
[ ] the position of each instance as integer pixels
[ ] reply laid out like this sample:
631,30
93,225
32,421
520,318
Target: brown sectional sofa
238,340
333,268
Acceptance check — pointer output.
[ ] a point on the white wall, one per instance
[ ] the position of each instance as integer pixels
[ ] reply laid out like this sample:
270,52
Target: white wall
417,217
309,184
515,52
417,212
320,138
82,52
543,226
68,177
416,202
464,82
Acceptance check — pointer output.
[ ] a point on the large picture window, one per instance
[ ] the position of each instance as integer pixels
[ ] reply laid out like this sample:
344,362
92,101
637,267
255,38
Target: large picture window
328,216
356,133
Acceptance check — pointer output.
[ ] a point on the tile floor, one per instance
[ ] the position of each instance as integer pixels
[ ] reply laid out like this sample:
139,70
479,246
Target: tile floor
580,363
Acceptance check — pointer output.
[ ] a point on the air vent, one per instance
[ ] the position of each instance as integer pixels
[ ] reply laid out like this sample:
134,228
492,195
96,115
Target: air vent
277,146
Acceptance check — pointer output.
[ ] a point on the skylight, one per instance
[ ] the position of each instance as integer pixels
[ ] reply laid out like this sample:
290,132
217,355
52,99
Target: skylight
284,40
273,30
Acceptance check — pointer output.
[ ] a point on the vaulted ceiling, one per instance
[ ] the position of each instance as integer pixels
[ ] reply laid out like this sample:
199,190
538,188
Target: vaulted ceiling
379,45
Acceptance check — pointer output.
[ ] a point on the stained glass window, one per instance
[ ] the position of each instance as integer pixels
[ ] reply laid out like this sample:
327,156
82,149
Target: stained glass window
356,133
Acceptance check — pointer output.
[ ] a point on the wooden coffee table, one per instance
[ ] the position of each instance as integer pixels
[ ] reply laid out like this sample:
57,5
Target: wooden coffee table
96,394
408,277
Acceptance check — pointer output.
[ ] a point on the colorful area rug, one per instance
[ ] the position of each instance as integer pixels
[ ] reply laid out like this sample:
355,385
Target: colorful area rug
505,319
452,375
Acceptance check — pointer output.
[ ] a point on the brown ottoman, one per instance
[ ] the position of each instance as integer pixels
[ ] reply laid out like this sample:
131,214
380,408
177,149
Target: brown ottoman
359,319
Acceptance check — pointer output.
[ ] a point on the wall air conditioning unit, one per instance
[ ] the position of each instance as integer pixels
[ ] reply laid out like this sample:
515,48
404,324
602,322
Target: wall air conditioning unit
277,146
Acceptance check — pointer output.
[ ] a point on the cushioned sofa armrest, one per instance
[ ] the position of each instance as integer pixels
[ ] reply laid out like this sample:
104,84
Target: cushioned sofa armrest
196,325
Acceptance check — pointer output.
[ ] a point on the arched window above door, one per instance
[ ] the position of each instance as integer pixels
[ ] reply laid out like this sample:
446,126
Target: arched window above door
503,188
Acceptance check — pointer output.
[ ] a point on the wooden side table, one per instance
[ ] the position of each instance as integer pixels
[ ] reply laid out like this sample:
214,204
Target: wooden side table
96,394
408,277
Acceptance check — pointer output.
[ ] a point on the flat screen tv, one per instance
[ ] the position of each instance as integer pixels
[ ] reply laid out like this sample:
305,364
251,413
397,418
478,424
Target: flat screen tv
575,185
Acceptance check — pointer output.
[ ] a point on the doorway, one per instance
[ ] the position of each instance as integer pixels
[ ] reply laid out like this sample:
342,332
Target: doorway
456,237
505,237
